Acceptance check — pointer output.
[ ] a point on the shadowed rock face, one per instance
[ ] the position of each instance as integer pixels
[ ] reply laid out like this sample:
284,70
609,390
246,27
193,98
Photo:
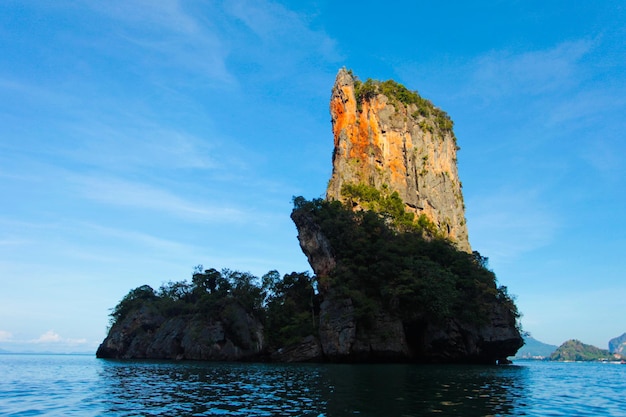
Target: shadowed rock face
388,338
382,141
145,334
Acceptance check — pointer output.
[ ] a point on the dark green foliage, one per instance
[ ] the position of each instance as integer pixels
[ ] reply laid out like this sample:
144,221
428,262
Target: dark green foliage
288,306
131,301
292,309
574,350
419,280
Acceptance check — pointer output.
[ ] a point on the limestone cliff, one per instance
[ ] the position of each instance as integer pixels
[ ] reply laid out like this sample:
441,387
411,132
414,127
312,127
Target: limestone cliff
386,135
389,139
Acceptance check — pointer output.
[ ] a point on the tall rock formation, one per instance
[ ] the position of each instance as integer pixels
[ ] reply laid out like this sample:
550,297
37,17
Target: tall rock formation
385,293
390,140
386,135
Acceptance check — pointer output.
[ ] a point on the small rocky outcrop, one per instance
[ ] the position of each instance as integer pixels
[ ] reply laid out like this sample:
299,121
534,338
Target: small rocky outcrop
308,349
146,334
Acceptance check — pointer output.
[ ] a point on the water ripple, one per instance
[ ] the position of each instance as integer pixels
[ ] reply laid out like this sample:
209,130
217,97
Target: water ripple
84,386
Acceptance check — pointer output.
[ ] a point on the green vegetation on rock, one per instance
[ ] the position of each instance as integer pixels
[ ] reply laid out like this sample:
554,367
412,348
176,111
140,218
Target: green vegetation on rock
287,307
388,204
574,350
398,93
382,268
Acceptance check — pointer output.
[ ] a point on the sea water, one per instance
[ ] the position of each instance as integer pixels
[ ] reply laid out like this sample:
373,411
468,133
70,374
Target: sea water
74,385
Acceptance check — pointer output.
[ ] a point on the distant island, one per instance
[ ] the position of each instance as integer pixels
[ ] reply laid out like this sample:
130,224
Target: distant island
572,350
618,345
576,351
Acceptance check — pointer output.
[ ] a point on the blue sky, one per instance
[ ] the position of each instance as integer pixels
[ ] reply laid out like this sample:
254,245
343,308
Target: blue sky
139,139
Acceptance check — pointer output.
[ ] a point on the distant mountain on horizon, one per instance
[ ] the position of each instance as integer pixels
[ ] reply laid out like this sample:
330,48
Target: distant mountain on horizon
534,349
618,345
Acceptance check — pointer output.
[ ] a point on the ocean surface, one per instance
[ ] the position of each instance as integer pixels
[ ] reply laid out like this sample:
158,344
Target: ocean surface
75,385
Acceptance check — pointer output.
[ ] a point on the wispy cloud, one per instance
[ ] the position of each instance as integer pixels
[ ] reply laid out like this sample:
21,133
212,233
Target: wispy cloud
175,37
606,157
283,42
276,25
5,336
33,93
125,193
142,144
143,239
502,73
586,107
164,14
509,224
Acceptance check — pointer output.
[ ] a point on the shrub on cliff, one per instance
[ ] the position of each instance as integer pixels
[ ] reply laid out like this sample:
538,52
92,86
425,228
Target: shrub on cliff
398,93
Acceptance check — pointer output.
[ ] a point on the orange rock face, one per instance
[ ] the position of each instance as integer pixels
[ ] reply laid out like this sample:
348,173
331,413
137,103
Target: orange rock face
383,141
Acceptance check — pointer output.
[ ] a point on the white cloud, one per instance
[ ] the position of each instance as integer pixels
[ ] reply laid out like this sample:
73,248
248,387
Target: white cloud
5,336
52,337
49,337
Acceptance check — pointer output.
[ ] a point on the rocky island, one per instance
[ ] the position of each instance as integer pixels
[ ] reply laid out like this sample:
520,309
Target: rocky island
575,351
618,345
395,278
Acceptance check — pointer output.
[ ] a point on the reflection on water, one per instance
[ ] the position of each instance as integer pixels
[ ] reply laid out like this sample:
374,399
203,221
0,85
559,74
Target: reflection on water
49,385
400,390
327,390
213,389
